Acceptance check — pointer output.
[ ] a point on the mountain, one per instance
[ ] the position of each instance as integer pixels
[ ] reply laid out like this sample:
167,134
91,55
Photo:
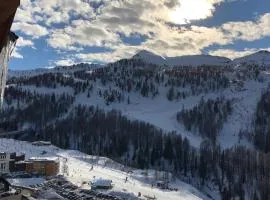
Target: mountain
196,60
148,117
150,57
260,58
57,69
191,60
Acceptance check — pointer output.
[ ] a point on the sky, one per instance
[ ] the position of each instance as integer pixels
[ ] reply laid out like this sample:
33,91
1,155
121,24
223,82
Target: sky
66,32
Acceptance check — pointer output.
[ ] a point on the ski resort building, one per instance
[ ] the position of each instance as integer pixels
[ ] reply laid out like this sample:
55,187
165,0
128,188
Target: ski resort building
43,166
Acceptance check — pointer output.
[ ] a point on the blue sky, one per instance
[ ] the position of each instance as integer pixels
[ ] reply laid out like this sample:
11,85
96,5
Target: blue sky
64,32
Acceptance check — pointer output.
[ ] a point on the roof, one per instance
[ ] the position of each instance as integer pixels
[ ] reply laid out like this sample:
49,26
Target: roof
23,161
41,143
44,159
12,152
101,182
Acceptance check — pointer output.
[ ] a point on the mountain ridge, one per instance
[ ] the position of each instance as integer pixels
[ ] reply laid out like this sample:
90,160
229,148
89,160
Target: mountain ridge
261,58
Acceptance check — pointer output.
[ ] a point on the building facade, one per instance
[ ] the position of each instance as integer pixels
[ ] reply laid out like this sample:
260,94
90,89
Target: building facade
4,162
43,166
8,160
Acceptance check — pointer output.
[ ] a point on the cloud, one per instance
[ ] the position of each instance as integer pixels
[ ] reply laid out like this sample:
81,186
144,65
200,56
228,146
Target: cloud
120,53
16,54
148,18
24,43
34,30
74,25
248,30
64,62
188,10
82,33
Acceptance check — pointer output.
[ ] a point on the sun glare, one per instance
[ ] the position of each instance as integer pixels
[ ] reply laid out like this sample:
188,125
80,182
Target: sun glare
191,10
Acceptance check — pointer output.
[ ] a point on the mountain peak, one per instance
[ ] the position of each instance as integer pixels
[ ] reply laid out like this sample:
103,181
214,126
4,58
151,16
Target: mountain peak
191,60
263,52
149,57
261,58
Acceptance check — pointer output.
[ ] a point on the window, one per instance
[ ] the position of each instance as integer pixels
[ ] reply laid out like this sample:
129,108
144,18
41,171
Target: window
3,166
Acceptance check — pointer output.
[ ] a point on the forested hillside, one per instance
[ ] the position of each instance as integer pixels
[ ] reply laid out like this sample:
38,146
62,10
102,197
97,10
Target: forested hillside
175,119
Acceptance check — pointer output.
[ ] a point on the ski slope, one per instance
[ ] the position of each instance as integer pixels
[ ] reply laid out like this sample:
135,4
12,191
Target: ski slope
162,113
79,167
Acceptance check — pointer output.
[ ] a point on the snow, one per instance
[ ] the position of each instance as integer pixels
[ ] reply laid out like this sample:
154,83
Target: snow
79,167
197,60
261,58
150,57
162,113
192,60
45,90
60,69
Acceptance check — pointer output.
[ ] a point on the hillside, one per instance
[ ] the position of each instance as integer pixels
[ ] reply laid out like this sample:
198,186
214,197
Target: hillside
79,166
151,116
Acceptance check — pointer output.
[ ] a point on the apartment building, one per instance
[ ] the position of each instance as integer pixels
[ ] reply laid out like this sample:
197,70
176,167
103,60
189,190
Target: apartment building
8,160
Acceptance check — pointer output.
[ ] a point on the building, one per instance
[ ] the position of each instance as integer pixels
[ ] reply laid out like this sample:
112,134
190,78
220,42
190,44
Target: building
41,143
14,158
43,166
8,160
7,192
4,162
4,185
101,184
23,166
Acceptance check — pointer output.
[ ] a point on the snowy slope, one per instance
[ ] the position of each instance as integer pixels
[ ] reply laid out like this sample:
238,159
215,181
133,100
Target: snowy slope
192,60
162,113
60,69
150,57
197,60
260,58
79,170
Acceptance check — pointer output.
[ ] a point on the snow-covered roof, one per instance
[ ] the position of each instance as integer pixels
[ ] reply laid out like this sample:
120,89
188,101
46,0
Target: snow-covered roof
101,182
43,159
41,143
25,181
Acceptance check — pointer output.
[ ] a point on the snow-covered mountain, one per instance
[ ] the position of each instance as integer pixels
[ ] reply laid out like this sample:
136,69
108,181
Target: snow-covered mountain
150,57
192,60
259,58
197,60
146,97
60,69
